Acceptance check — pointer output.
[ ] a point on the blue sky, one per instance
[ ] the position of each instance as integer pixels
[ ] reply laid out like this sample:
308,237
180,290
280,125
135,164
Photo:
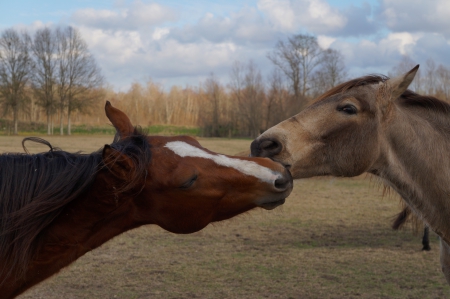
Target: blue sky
182,42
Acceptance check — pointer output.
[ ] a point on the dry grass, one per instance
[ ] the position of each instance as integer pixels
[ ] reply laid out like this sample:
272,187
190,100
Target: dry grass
330,240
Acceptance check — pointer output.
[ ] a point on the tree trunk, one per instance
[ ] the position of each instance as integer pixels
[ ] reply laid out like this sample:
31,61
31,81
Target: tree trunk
61,126
15,119
69,126
49,127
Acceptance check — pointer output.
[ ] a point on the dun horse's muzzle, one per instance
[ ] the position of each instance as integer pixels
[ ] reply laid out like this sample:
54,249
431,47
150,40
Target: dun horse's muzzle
265,147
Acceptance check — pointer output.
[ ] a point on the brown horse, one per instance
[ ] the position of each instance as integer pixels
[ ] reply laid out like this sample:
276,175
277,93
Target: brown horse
374,124
56,206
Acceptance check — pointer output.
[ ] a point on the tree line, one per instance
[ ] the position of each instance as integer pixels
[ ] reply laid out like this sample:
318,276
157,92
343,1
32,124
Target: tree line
249,103
51,71
53,76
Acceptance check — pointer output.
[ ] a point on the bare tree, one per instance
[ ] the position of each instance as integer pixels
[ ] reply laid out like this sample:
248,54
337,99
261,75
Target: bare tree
248,90
212,86
44,75
430,76
443,82
63,77
331,72
297,58
15,69
277,100
78,74
214,109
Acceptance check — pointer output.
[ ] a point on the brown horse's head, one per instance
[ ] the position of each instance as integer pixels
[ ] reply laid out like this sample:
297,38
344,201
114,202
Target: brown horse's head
339,134
187,186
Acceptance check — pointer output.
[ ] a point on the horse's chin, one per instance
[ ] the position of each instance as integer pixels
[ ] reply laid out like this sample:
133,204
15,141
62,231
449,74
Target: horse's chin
187,229
272,205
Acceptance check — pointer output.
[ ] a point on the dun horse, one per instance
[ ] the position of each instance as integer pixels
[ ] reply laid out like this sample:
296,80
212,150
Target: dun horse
56,206
374,124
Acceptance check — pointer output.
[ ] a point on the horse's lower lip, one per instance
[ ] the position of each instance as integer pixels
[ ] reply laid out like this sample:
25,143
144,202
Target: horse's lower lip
272,205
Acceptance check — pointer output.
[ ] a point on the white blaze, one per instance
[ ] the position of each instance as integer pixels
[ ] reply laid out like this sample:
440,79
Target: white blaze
265,174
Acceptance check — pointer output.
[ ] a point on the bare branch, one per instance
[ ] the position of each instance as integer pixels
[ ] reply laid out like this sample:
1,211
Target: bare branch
15,69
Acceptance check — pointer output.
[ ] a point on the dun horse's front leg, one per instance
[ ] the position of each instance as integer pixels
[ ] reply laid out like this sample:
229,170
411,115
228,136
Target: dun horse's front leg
445,260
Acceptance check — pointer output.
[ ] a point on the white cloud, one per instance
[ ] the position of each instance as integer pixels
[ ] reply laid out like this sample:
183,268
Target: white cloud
142,40
416,15
138,15
325,41
316,15
245,26
159,33
323,14
172,50
401,41
126,56
280,13
117,47
380,56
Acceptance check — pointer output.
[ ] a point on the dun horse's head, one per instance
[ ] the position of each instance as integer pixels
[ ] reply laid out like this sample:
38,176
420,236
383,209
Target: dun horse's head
339,134
187,186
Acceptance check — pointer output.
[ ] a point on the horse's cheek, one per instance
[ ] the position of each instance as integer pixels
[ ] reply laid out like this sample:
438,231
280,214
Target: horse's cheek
353,155
182,213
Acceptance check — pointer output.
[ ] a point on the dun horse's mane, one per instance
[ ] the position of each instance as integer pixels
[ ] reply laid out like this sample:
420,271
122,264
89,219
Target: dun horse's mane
365,80
412,99
407,99
34,190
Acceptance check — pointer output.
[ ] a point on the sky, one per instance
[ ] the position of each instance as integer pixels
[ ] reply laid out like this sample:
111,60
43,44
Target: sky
183,42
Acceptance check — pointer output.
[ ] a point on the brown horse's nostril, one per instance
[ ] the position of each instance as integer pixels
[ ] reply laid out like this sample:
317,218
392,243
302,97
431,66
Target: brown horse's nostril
268,147
282,183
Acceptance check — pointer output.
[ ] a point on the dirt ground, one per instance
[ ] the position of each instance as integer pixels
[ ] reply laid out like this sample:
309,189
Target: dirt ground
331,239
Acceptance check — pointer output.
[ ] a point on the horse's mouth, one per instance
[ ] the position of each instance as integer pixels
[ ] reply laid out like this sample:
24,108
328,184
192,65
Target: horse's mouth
272,205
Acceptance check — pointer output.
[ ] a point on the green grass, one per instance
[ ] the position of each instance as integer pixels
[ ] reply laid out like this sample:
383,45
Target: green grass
152,130
331,239
41,129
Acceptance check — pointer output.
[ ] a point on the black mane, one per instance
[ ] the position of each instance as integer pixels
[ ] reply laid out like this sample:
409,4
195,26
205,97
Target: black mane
34,189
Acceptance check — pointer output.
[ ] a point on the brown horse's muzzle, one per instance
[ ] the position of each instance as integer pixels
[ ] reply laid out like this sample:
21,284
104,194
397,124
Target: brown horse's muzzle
282,187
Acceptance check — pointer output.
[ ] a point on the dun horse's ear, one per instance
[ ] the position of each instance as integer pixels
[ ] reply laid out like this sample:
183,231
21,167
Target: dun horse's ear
399,84
118,163
119,120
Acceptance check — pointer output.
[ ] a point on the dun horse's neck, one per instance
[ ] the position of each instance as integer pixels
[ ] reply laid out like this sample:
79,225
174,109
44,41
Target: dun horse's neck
88,222
415,162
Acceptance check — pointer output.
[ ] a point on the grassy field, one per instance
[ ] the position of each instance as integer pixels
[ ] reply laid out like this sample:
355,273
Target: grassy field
331,239
27,128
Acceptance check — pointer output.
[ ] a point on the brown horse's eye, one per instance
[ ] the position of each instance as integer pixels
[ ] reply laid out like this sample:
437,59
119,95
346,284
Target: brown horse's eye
189,183
348,109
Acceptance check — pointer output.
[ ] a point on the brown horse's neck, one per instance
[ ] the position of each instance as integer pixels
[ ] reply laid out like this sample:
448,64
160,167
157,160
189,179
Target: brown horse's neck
414,161
86,223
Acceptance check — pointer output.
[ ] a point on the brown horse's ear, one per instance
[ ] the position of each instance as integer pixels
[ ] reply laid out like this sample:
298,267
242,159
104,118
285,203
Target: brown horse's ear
118,163
119,120
399,84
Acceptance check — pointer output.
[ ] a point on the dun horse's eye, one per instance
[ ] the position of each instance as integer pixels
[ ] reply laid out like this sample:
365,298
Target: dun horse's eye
189,183
348,109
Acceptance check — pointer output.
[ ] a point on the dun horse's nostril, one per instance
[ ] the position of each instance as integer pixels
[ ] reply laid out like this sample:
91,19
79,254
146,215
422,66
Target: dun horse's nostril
267,147
255,149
